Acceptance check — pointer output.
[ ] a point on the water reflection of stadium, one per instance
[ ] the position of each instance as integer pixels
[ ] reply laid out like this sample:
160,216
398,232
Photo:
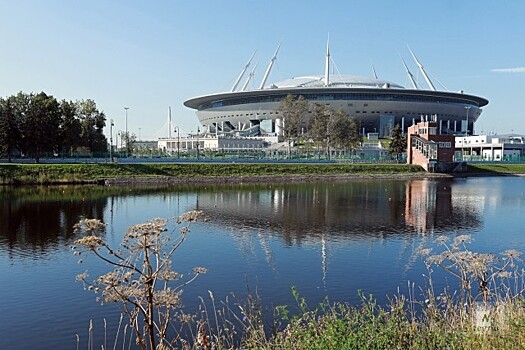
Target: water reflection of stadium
41,219
349,210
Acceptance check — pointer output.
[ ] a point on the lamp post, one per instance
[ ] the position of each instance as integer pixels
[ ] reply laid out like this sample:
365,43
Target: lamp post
111,140
119,134
178,141
127,136
466,126
198,132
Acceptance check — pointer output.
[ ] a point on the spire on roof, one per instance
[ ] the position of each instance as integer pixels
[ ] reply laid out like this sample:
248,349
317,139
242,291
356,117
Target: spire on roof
242,72
427,79
410,76
327,63
268,70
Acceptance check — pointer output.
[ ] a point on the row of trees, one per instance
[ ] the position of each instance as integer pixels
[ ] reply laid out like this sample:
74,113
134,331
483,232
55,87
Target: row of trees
323,125
34,125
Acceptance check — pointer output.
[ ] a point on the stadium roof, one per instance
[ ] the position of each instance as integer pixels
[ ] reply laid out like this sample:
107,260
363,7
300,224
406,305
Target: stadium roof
335,81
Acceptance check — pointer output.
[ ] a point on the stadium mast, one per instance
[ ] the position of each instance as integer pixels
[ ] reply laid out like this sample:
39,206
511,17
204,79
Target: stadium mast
250,77
423,71
242,72
374,71
410,76
327,63
268,70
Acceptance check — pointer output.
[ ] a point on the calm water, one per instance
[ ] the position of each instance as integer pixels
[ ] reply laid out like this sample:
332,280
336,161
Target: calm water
326,239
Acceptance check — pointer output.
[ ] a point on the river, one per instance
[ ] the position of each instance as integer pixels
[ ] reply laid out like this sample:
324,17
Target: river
327,239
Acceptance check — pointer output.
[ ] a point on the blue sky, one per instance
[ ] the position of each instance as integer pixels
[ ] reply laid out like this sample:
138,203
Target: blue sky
148,55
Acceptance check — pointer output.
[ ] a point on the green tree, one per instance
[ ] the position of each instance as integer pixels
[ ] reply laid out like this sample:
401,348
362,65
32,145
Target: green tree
129,140
347,136
92,122
9,128
318,124
398,143
338,130
39,124
293,110
70,128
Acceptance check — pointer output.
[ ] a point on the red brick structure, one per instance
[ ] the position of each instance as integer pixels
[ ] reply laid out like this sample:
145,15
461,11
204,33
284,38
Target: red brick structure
426,147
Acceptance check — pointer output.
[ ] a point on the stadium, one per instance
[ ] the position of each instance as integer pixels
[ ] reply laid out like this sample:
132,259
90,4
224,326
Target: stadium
377,105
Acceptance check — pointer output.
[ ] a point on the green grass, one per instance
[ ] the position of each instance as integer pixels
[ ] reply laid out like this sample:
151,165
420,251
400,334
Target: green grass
369,326
497,168
78,173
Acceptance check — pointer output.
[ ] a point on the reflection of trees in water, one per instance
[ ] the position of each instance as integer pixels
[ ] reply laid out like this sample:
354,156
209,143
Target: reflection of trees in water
346,209
39,217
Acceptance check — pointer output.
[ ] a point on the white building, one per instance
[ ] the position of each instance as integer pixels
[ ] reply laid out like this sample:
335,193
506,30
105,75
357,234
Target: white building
490,147
194,143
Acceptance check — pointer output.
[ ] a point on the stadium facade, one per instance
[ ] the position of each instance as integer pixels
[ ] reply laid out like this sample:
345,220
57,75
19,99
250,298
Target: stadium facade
377,105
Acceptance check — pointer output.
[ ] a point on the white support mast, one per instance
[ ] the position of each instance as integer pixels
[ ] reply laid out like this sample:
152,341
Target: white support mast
250,77
327,63
423,71
169,123
374,71
242,72
410,76
268,70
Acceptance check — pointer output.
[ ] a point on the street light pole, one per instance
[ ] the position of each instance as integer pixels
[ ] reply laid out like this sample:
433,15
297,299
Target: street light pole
119,134
127,136
466,126
111,140
178,141
198,132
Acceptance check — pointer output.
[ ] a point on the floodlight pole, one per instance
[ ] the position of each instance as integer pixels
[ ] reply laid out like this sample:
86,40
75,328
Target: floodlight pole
466,126
178,141
127,136
111,140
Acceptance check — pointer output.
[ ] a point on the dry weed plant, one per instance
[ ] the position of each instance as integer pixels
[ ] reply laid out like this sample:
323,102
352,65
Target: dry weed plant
143,280
485,310
490,285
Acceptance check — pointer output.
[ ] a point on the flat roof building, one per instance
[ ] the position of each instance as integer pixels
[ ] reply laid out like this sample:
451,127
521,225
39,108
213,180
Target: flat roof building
490,147
427,147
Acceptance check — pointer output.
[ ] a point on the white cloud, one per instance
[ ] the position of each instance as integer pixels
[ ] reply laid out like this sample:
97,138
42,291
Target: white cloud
509,70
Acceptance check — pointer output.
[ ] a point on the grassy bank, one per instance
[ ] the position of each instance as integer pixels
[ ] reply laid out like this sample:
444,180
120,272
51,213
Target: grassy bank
79,173
501,169
91,173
